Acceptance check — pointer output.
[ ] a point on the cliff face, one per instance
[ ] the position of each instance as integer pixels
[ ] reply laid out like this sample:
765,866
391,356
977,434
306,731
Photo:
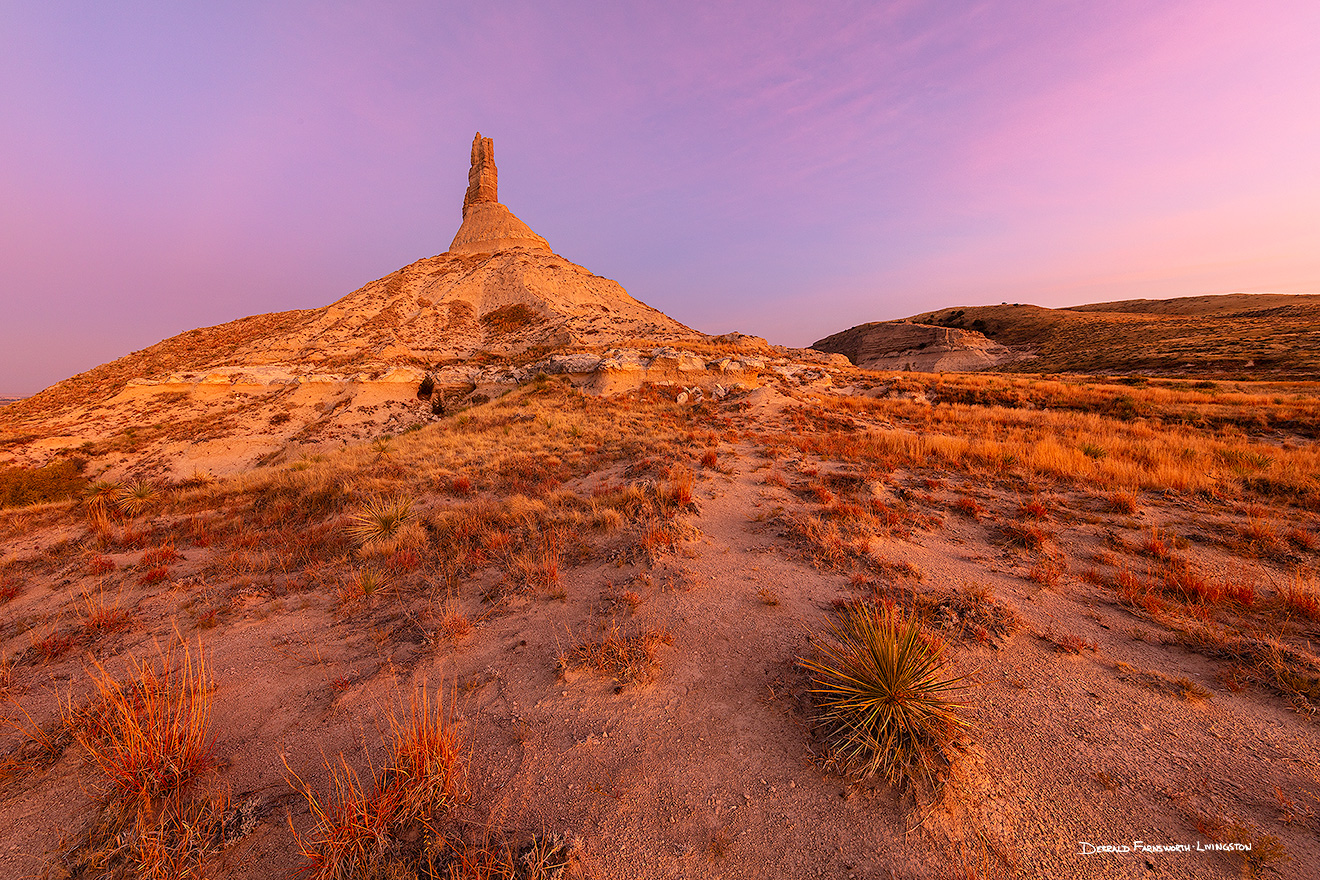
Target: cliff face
898,345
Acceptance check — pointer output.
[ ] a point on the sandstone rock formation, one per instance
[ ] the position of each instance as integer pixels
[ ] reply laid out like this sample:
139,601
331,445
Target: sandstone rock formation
483,176
499,308
899,345
225,397
489,227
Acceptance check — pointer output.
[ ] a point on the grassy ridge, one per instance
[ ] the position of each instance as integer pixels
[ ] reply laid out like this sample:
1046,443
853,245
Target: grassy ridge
1239,336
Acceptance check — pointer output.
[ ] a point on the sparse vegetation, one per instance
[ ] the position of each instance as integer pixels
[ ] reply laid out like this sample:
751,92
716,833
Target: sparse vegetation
550,525
136,497
627,658
380,520
361,815
884,697
148,734
58,481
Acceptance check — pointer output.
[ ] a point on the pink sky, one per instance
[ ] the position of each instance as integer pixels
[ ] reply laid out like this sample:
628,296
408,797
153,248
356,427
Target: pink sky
787,170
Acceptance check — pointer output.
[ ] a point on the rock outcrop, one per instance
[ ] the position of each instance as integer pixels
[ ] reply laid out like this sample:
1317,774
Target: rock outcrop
899,345
489,227
483,176
498,309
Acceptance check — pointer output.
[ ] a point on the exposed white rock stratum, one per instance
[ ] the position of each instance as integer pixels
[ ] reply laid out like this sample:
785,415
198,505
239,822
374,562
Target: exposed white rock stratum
904,345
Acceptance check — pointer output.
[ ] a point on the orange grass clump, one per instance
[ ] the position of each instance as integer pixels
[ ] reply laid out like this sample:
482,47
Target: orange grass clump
148,734
681,486
625,658
356,823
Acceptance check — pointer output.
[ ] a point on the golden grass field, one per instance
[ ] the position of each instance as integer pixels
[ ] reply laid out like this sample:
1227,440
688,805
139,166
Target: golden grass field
561,635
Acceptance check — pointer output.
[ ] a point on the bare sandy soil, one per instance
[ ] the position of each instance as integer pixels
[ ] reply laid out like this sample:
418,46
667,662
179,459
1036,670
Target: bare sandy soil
1093,722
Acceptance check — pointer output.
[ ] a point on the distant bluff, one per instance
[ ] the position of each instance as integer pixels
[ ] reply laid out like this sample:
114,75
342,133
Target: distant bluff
924,348
1239,335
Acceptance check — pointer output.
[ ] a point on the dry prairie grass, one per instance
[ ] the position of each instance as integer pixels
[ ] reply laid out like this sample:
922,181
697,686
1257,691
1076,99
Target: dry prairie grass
543,491
148,734
357,820
627,658
148,737
1057,437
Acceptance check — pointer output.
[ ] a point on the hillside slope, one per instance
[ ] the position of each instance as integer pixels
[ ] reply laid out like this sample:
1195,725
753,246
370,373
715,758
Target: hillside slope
385,358
1259,336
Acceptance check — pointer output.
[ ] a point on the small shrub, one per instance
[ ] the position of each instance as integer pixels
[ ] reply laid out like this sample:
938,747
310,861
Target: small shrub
52,645
1094,577
1300,597
537,567
101,616
768,596
1033,509
969,506
508,318
1159,544
1303,539
680,488
403,561
1241,595
154,575
364,584
1045,573
1091,450
625,658
710,459
136,497
160,555
1026,535
99,565
1124,501
1190,690
884,697
822,494
455,623
57,481
1069,643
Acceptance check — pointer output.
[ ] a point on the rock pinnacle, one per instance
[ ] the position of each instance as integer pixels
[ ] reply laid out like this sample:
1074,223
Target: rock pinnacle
483,176
489,227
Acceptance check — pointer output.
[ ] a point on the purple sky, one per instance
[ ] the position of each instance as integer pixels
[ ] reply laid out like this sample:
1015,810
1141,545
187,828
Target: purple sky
788,170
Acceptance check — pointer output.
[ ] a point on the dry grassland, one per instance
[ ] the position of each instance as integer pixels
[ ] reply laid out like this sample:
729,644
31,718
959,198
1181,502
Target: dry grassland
939,626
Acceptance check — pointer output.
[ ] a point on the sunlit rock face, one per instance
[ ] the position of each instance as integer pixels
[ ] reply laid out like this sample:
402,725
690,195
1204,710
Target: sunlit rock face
489,227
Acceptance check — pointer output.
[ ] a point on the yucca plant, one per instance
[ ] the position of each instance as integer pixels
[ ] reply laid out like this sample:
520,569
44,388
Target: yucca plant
102,496
884,697
137,496
380,519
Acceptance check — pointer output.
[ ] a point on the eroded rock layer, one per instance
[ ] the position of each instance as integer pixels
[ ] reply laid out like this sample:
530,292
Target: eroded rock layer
900,345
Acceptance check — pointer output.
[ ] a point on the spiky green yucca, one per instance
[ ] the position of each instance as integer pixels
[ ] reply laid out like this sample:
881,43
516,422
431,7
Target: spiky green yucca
102,495
884,697
137,496
380,520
